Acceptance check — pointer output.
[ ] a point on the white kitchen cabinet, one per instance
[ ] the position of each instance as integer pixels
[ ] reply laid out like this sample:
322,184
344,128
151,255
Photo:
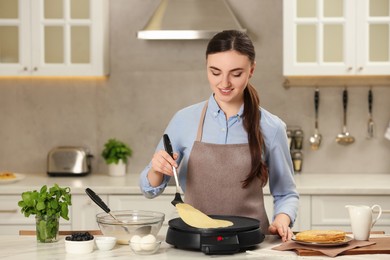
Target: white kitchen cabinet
12,220
83,212
336,37
302,221
53,37
329,212
304,214
269,206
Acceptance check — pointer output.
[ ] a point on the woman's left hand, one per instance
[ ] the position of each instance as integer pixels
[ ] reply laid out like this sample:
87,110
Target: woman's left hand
281,227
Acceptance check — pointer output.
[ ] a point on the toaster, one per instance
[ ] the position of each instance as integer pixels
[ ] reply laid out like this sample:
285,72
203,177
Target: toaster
69,161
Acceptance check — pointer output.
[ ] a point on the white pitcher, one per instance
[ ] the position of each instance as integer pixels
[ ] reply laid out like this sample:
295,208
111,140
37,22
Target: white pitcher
362,220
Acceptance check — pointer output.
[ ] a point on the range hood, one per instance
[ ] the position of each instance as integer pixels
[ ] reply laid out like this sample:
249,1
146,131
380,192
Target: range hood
189,20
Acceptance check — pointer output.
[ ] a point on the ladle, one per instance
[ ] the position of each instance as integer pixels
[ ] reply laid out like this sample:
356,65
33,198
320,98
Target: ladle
370,124
315,139
169,150
95,198
345,138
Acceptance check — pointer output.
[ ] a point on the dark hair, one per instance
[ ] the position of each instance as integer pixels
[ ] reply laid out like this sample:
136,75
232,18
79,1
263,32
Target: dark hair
239,41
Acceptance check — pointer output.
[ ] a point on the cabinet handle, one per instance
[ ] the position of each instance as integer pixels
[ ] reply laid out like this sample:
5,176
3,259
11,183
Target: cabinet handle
8,210
349,68
35,68
25,68
360,68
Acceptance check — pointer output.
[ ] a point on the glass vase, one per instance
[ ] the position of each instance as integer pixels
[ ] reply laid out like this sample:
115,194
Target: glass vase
47,228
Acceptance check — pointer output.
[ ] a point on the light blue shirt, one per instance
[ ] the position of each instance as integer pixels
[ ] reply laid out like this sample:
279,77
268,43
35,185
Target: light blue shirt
182,130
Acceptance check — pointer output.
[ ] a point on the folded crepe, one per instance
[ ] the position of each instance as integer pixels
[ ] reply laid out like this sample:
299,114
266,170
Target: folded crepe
195,218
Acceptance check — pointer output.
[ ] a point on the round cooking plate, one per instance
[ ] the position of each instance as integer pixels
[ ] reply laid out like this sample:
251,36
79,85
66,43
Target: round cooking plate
239,224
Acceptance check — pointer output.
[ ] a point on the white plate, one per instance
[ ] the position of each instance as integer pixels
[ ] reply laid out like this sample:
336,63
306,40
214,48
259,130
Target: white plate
18,176
346,241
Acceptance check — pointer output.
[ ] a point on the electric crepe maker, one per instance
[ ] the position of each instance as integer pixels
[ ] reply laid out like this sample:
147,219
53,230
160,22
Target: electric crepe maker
244,234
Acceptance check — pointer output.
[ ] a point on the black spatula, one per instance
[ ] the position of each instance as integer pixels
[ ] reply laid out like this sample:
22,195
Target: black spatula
169,150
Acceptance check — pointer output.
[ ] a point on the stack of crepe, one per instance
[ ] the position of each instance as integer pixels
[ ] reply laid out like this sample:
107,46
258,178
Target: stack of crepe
321,236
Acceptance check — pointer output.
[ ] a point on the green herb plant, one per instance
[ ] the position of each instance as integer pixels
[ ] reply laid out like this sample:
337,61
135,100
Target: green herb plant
48,205
115,150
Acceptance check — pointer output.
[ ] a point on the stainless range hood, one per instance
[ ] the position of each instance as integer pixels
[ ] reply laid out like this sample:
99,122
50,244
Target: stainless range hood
189,20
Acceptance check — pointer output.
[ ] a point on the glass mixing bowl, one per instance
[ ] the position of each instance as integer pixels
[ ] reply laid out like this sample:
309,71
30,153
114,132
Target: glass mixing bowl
131,222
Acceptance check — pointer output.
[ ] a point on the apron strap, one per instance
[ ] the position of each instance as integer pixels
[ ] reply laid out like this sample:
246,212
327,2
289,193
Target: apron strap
201,123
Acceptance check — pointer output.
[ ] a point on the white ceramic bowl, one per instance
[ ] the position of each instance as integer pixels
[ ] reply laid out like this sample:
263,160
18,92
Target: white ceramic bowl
140,248
105,243
79,247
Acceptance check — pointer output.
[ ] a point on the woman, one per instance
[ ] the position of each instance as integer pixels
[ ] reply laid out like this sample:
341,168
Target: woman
228,147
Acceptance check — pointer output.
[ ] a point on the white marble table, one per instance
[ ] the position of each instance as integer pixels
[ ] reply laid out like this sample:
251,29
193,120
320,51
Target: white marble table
26,247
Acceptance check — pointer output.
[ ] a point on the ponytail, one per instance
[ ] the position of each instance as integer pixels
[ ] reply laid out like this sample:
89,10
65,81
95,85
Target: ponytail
255,137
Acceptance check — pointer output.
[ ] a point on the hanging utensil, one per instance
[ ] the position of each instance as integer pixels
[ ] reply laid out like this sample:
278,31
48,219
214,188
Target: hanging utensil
345,138
315,139
95,198
289,138
169,150
370,124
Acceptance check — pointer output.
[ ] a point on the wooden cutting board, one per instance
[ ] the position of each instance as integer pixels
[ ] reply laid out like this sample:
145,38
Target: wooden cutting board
382,246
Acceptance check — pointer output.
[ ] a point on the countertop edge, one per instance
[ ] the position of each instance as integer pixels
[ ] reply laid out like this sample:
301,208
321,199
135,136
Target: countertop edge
310,184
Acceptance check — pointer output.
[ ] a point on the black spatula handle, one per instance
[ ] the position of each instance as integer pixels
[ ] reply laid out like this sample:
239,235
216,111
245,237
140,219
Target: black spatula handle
168,145
345,99
316,100
370,99
97,200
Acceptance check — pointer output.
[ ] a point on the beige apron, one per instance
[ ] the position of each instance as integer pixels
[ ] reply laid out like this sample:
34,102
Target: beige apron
214,178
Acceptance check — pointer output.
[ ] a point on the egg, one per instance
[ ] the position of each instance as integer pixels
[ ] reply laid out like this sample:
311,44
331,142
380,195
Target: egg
148,242
136,242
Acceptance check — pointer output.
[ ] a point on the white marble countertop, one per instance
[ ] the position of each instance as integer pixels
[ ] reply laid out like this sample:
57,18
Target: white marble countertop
343,184
308,184
26,247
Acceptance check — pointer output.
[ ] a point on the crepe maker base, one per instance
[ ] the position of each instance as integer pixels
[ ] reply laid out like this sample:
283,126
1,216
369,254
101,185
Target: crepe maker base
245,233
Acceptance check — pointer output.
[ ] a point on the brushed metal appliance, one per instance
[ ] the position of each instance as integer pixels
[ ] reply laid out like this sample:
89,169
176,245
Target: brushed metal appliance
69,161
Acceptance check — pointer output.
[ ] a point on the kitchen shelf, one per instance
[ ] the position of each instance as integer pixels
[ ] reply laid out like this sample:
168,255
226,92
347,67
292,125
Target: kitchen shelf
335,81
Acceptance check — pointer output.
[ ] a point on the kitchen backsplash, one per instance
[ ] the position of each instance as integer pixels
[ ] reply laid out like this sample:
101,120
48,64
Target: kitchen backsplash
150,81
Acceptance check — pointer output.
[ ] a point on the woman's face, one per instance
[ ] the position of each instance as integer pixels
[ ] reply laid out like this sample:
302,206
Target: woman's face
228,74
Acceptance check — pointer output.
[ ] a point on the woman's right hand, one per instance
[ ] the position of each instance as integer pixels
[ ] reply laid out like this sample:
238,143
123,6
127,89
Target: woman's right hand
162,164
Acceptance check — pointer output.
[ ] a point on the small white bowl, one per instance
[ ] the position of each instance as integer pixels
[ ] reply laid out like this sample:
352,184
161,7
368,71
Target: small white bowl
79,247
140,248
105,243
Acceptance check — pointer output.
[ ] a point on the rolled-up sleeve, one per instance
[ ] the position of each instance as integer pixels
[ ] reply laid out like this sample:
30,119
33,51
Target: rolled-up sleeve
148,190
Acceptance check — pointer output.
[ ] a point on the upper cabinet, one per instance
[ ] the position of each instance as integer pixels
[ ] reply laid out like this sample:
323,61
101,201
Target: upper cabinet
53,37
336,37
